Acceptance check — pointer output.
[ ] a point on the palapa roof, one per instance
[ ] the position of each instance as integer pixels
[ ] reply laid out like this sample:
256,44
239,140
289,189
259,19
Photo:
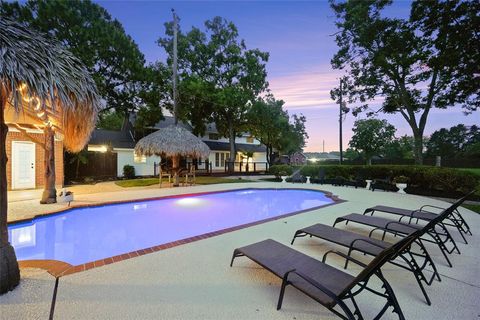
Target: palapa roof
172,141
45,80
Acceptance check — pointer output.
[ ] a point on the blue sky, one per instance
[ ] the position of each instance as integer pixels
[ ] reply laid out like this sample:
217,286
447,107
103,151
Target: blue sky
298,36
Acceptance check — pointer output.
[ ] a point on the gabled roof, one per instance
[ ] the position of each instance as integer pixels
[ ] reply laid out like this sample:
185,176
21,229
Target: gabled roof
225,146
115,139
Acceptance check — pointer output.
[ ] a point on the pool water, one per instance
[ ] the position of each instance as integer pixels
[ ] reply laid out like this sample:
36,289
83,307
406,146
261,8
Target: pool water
88,234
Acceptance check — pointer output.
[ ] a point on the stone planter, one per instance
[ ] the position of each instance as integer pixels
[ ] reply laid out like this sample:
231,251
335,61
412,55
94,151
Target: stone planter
308,179
368,184
65,196
401,187
284,179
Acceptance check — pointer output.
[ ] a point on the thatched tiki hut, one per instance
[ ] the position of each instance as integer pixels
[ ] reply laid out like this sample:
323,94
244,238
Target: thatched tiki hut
173,142
41,79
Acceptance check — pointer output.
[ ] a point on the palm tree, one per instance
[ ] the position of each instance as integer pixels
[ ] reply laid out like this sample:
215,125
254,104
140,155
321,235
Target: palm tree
41,79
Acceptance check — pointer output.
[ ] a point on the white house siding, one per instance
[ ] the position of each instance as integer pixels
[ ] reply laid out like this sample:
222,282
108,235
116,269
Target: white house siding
257,157
126,156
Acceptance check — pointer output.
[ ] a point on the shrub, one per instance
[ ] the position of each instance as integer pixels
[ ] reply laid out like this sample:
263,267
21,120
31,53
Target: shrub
128,171
281,170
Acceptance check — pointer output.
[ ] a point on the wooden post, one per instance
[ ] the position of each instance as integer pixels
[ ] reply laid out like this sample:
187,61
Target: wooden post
49,193
176,168
9,271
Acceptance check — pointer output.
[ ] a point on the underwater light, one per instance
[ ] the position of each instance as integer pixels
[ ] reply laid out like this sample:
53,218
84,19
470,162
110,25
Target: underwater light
189,202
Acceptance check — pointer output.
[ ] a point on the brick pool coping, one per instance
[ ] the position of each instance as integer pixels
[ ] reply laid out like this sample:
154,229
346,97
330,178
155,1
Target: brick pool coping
60,268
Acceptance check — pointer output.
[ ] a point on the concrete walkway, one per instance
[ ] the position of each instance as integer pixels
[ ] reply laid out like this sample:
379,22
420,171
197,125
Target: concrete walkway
194,281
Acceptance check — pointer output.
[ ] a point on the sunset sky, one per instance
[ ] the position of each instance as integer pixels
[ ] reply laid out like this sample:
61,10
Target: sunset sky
298,36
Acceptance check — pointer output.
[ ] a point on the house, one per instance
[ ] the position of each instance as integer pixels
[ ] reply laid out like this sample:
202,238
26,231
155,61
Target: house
121,145
249,150
25,165
251,154
298,158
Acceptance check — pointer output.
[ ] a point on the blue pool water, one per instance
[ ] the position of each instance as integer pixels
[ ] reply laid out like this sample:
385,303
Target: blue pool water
89,234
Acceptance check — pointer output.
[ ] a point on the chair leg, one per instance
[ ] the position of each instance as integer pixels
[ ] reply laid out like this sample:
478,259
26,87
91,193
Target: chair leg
236,254
285,283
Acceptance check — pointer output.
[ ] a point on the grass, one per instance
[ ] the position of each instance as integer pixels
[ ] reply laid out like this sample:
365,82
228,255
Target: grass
473,207
152,181
471,170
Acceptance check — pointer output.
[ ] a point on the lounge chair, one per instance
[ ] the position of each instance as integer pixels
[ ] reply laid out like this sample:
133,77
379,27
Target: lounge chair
383,184
405,229
325,284
358,182
356,242
420,214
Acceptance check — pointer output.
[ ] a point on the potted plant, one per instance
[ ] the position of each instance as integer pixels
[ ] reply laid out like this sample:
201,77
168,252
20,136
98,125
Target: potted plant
401,183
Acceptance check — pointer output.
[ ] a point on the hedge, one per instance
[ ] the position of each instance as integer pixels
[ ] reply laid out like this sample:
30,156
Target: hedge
446,180
281,170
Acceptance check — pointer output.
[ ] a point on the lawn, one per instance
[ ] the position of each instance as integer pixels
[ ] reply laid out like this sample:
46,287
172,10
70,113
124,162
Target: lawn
471,170
473,207
153,181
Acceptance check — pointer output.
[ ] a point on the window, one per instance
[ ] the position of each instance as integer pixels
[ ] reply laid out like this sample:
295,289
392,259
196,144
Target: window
222,159
213,136
250,139
139,158
217,159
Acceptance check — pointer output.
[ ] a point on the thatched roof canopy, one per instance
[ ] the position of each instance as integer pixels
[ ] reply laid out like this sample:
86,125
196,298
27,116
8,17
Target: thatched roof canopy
172,141
39,73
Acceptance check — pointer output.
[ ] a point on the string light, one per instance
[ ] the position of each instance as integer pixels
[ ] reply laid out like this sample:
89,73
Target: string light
42,114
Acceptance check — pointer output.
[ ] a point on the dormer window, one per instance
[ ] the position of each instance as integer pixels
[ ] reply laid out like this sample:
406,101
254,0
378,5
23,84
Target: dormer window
250,139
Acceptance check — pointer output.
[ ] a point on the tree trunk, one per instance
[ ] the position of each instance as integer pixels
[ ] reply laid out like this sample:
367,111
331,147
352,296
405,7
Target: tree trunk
9,272
369,161
49,192
233,151
176,168
418,147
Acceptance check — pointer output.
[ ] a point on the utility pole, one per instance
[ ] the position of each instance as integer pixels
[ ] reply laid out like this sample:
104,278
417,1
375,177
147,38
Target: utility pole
340,120
174,67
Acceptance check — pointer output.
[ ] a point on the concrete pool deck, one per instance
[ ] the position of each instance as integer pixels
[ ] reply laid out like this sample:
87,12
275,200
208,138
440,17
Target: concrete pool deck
194,280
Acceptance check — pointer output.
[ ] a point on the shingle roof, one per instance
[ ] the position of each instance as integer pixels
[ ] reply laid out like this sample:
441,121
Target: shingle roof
225,146
115,139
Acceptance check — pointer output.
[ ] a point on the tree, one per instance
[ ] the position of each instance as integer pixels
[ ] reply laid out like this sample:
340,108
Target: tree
371,136
100,42
220,62
449,143
400,148
396,58
268,122
38,74
293,139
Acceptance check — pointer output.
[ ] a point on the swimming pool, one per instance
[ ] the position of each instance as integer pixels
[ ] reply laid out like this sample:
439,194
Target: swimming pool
88,234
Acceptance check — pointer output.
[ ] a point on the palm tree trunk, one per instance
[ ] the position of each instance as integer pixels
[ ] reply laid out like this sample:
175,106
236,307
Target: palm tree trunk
9,272
49,193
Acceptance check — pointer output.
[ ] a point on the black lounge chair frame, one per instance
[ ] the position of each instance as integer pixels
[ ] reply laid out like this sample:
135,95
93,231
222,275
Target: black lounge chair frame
404,229
421,214
334,235
348,293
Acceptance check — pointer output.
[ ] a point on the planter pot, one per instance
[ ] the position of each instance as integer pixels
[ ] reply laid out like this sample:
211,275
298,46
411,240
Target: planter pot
401,187
284,179
368,184
308,179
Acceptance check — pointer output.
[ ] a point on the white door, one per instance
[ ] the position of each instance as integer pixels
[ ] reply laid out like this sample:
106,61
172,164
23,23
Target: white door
23,165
